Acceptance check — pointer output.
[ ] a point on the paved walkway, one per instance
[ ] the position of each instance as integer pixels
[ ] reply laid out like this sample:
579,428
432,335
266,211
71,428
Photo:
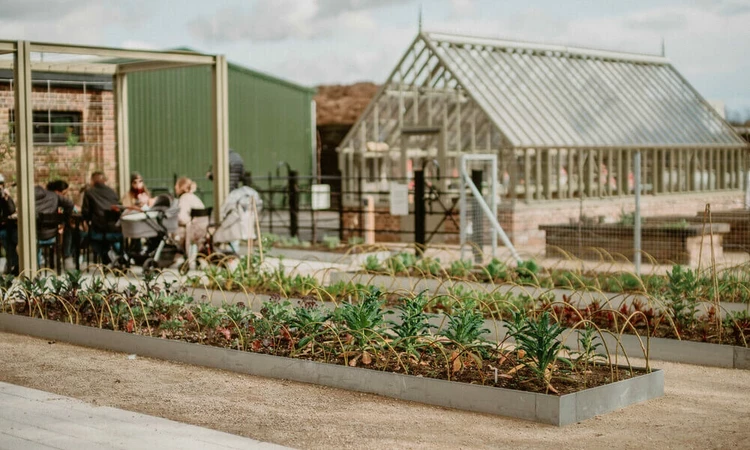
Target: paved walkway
32,419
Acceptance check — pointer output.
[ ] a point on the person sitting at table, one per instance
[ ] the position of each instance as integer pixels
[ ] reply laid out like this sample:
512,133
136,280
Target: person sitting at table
138,197
60,187
184,189
98,200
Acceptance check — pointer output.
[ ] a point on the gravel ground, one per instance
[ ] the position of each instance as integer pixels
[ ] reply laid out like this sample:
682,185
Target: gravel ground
703,407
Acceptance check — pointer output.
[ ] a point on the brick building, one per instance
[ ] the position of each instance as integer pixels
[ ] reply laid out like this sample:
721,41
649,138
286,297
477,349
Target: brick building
74,127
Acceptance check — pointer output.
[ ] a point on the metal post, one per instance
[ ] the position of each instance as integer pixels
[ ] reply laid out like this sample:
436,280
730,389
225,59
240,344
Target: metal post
477,220
293,204
462,214
360,205
747,191
24,134
341,210
220,100
419,212
270,206
123,142
637,214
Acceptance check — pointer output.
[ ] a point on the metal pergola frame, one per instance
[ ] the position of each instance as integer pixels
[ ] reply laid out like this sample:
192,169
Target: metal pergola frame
127,61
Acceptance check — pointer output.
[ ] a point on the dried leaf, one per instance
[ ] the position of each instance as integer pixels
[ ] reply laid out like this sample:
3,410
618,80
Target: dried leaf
521,353
366,359
129,326
477,359
456,361
353,361
552,389
516,369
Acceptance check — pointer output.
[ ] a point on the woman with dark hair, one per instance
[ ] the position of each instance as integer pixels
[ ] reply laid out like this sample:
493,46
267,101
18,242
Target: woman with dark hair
138,197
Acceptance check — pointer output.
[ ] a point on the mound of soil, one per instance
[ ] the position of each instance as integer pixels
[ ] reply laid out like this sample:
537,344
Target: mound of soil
343,104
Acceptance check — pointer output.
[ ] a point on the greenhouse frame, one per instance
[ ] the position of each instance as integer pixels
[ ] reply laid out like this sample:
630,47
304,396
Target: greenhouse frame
564,121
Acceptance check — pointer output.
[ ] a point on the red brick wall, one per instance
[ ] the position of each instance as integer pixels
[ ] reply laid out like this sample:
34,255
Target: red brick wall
97,147
524,231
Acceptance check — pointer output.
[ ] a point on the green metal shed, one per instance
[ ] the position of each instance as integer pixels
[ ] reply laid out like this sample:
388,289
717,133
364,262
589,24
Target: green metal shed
270,121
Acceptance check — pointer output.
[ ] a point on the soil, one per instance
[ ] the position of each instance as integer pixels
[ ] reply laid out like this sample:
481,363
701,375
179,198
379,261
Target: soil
343,104
703,407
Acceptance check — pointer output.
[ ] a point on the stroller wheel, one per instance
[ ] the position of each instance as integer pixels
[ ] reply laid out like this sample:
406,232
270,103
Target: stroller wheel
149,265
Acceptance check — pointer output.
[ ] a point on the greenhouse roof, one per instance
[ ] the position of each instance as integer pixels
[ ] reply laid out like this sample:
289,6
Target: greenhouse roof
554,96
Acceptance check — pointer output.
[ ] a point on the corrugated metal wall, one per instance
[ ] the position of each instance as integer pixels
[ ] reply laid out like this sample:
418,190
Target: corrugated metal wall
170,124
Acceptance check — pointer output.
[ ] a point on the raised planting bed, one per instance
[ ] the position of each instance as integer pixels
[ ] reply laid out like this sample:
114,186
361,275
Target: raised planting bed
665,349
665,244
435,286
349,258
550,409
738,238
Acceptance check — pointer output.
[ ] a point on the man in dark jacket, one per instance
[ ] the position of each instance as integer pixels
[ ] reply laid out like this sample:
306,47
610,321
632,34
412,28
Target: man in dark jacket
98,200
60,187
8,229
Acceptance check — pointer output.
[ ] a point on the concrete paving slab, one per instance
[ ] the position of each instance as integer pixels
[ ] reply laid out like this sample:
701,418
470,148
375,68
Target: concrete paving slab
33,419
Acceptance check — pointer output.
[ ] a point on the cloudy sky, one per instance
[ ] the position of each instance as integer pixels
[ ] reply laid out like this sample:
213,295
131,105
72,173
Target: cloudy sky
340,41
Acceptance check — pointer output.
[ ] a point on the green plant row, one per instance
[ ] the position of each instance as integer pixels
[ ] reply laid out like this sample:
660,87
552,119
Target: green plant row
356,333
730,284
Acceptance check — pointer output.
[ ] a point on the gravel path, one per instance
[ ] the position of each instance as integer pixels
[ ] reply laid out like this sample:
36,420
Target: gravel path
703,407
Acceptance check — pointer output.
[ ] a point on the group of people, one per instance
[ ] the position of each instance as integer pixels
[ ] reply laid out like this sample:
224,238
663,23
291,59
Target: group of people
100,199
100,210
50,200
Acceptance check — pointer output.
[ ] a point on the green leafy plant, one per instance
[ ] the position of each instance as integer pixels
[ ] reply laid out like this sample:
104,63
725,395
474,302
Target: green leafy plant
497,270
400,263
460,268
364,320
331,242
466,324
682,288
414,320
538,339
372,264
589,345
527,271
430,266
355,240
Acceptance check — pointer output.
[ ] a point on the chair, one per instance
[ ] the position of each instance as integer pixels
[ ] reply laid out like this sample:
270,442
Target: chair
49,240
101,241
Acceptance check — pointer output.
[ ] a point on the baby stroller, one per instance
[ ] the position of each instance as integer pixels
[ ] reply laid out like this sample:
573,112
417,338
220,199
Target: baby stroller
155,225
237,224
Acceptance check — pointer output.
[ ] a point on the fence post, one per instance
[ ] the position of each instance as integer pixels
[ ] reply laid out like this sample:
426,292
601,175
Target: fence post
477,220
419,212
341,213
293,204
360,207
270,207
637,213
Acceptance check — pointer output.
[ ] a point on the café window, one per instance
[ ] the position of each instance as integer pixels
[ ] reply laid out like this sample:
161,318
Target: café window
53,127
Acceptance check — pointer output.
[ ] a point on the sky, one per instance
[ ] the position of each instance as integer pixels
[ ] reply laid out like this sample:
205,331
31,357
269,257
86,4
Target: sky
314,42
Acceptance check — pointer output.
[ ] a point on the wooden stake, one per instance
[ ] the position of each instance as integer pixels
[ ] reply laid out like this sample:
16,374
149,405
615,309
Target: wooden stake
257,228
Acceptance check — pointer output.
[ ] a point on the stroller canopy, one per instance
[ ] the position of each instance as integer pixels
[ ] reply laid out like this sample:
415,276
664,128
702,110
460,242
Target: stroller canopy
238,215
